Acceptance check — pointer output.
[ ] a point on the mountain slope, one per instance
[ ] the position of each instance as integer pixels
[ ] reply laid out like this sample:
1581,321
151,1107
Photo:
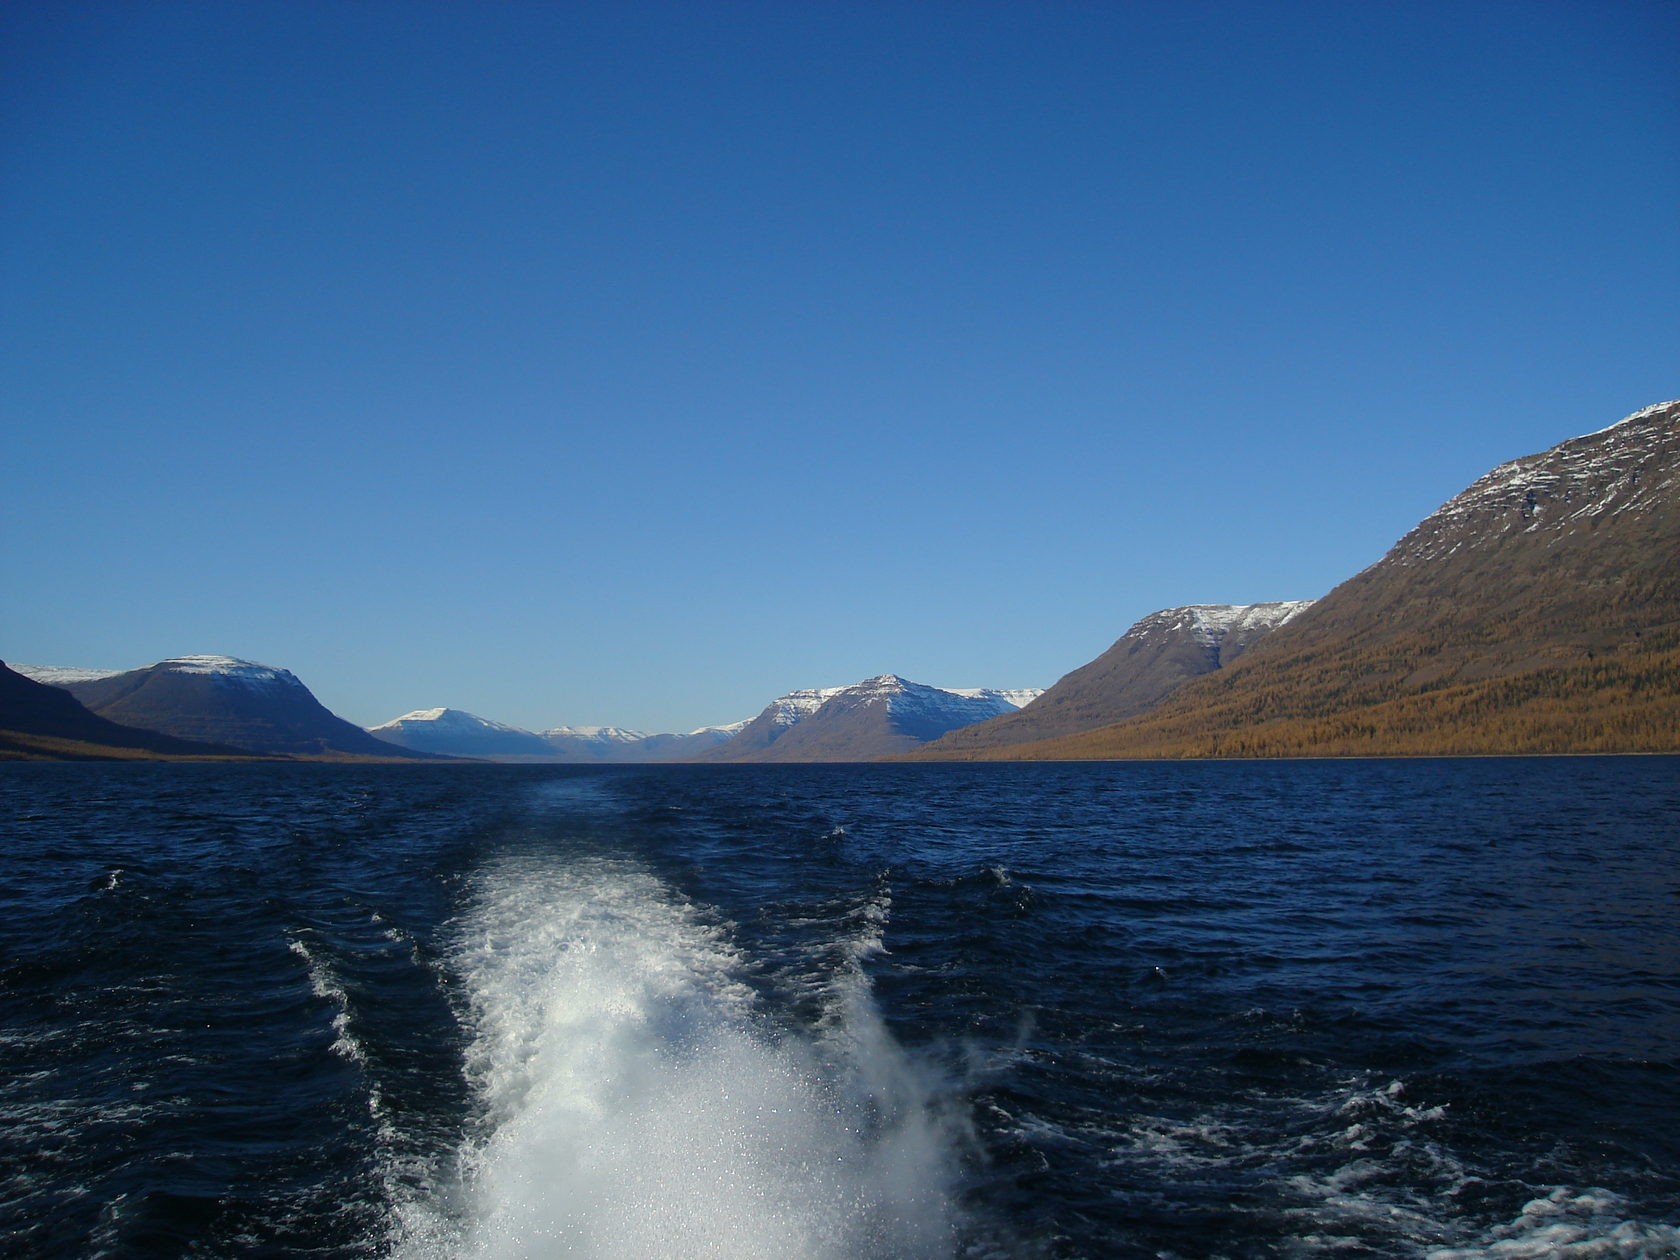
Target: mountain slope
874,718
40,721
1153,659
1538,611
229,701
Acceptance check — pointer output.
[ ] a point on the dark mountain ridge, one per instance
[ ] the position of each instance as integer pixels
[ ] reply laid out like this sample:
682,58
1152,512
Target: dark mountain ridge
38,721
229,701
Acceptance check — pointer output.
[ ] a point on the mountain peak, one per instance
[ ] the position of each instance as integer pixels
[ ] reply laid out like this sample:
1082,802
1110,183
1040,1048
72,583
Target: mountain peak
454,719
876,717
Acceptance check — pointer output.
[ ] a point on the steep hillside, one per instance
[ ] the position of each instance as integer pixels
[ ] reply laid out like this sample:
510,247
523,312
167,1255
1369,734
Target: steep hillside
1153,659
874,718
1538,611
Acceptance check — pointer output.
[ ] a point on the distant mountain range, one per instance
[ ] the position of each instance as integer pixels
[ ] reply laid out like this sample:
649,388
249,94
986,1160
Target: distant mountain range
874,718
461,734
870,719
1536,612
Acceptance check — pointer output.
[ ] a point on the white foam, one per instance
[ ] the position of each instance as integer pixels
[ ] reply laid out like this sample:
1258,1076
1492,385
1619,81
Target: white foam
636,1103
324,982
1570,1224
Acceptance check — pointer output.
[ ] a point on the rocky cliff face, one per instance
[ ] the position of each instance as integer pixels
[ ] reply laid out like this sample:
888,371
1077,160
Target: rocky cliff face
874,718
224,700
1152,660
1537,611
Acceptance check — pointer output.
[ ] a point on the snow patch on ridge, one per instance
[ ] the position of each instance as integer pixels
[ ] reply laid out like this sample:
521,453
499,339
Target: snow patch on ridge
1212,624
63,675
1642,414
230,667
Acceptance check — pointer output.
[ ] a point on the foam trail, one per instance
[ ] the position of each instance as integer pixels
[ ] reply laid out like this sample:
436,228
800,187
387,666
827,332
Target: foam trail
635,1105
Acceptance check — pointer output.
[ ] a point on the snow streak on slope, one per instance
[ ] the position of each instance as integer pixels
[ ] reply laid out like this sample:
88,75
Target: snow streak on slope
796,706
637,1103
1629,467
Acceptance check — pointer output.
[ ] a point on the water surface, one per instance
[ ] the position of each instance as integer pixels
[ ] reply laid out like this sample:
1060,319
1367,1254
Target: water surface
1408,1009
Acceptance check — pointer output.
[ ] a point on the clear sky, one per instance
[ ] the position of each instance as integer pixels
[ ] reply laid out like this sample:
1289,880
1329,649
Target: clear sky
635,362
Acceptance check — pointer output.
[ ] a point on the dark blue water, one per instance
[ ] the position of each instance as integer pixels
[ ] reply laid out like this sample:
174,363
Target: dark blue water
1409,1009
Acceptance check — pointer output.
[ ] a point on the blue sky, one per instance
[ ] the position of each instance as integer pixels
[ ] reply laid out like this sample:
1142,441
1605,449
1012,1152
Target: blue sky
637,362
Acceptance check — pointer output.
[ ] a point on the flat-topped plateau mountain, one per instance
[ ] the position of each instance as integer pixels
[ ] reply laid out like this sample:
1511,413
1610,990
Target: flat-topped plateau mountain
221,699
1536,612
47,723
873,718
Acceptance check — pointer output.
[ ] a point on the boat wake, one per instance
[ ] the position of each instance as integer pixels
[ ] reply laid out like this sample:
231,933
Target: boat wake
635,1100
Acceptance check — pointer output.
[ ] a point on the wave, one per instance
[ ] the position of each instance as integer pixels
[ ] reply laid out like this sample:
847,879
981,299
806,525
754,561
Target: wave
635,1100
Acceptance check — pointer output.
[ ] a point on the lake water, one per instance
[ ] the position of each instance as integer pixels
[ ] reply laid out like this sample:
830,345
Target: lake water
1379,1008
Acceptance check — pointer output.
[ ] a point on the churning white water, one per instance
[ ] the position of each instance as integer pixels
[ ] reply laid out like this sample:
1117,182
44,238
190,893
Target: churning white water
636,1103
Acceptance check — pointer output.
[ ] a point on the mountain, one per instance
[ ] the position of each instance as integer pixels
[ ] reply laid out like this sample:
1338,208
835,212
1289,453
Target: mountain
589,744
870,719
38,721
1147,664
229,701
1536,612
457,733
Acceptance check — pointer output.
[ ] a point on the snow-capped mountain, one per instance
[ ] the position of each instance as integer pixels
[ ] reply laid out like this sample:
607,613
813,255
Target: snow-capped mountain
1153,659
869,719
586,744
225,700
457,733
